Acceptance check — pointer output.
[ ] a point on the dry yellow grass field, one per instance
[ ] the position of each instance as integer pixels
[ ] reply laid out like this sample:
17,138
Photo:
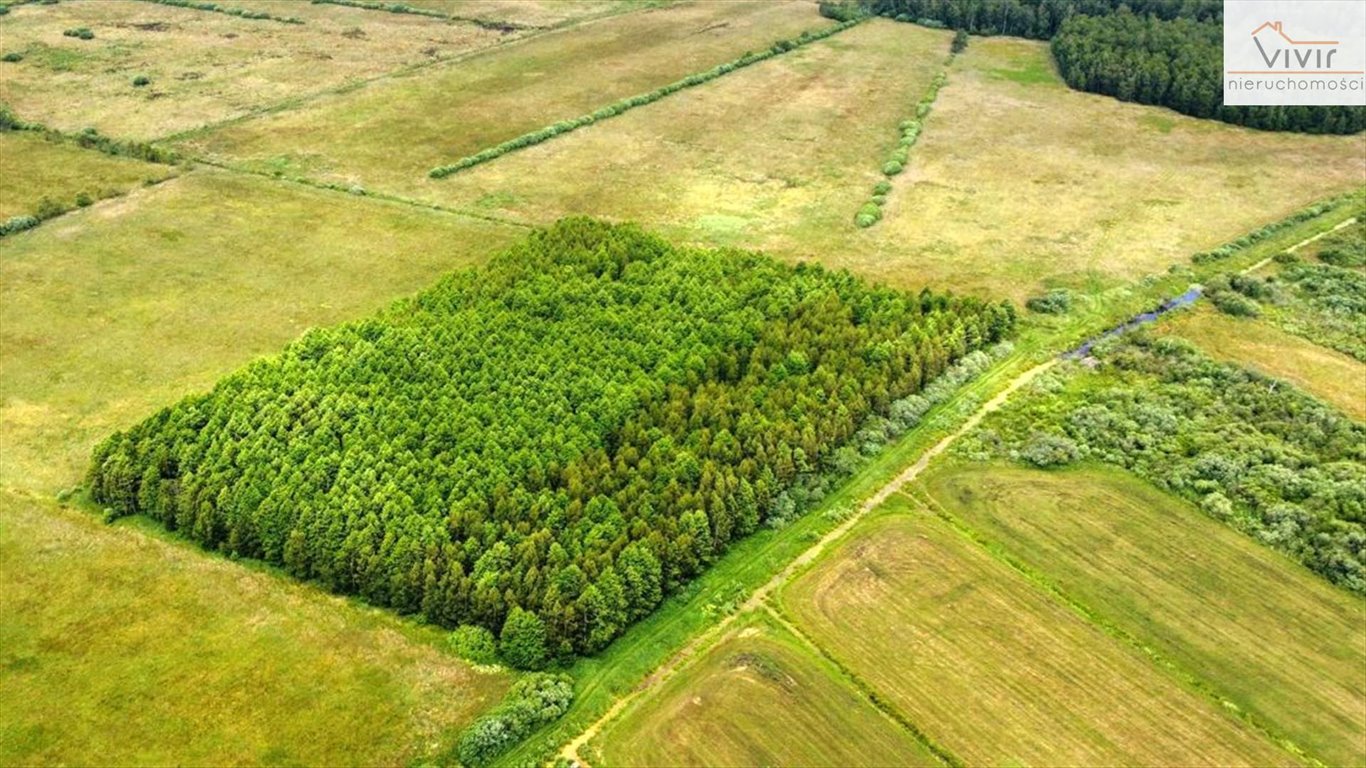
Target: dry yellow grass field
166,290
760,697
390,134
778,155
1020,181
995,670
32,168
204,66
122,648
1333,376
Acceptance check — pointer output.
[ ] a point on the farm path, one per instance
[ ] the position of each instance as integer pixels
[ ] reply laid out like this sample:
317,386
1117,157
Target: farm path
719,631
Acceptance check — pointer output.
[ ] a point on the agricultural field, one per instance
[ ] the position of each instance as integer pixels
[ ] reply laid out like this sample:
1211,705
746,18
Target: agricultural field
653,382
456,110
122,647
760,697
1334,377
36,169
203,67
1257,629
993,669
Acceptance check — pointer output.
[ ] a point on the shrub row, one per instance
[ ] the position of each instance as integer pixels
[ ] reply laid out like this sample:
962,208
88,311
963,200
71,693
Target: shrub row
241,13
83,33
48,208
616,108
90,138
871,212
534,700
1252,238
494,24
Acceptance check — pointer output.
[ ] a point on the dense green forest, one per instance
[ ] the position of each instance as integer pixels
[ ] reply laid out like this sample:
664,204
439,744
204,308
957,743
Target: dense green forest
1163,52
547,445
1176,63
1261,456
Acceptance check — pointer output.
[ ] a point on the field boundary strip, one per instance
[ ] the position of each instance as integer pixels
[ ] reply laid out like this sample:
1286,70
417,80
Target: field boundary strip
240,13
758,599
995,551
400,8
866,690
624,105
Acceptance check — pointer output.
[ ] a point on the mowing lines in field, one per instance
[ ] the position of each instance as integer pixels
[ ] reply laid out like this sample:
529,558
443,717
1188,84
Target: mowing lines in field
1259,635
616,108
994,669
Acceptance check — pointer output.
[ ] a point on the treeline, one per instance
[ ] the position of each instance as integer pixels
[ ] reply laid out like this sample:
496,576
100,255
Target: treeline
623,105
241,13
91,138
1266,459
1176,63
1037,19
549,445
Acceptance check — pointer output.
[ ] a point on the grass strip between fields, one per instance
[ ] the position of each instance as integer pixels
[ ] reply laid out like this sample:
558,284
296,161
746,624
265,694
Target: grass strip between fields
1087,614
624,105
240,13
494,24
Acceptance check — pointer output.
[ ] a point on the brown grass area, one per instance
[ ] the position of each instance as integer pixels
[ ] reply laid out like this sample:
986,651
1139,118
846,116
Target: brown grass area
760,697
120,648
1325,373
32,168
204,66
390,134
995,670
111,312
1268,635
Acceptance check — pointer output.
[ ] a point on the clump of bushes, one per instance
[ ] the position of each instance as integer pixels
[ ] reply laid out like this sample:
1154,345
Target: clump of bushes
17,224
13,56
841,10
82,33
474,643
1346,247
960,41
612,110
868,215
141,80
532,701
1055,302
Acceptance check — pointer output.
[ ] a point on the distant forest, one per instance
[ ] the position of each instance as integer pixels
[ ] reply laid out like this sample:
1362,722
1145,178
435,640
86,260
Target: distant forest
1163,52
550,444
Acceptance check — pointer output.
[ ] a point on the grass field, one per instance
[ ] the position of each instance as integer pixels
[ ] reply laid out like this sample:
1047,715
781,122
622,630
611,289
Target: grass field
787,174
1263,632
535,13
204,66
34,168
458,109
993,669
122,648
165,290
760,697
1330,375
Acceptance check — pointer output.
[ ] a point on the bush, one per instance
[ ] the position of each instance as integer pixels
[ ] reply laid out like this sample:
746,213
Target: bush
141,80
84,199
892,168
532,701
48,208
1232,303
1056,302
882,187
17,224
474,643
960,41
845,10
1045,449
83,33
12,56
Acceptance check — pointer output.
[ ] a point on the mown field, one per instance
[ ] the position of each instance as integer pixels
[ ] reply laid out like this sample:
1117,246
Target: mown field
1336,378
759,697
1260,631
459,109
120,648
203,66
995,670
35,168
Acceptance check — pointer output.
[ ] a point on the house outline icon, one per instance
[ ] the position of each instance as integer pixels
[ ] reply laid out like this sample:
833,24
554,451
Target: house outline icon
1276,26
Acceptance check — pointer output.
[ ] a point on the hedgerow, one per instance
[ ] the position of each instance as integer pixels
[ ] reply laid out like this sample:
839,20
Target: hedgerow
649,405
91,138
241,13
618,107
1252,238
494,24
1268,460
533,701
